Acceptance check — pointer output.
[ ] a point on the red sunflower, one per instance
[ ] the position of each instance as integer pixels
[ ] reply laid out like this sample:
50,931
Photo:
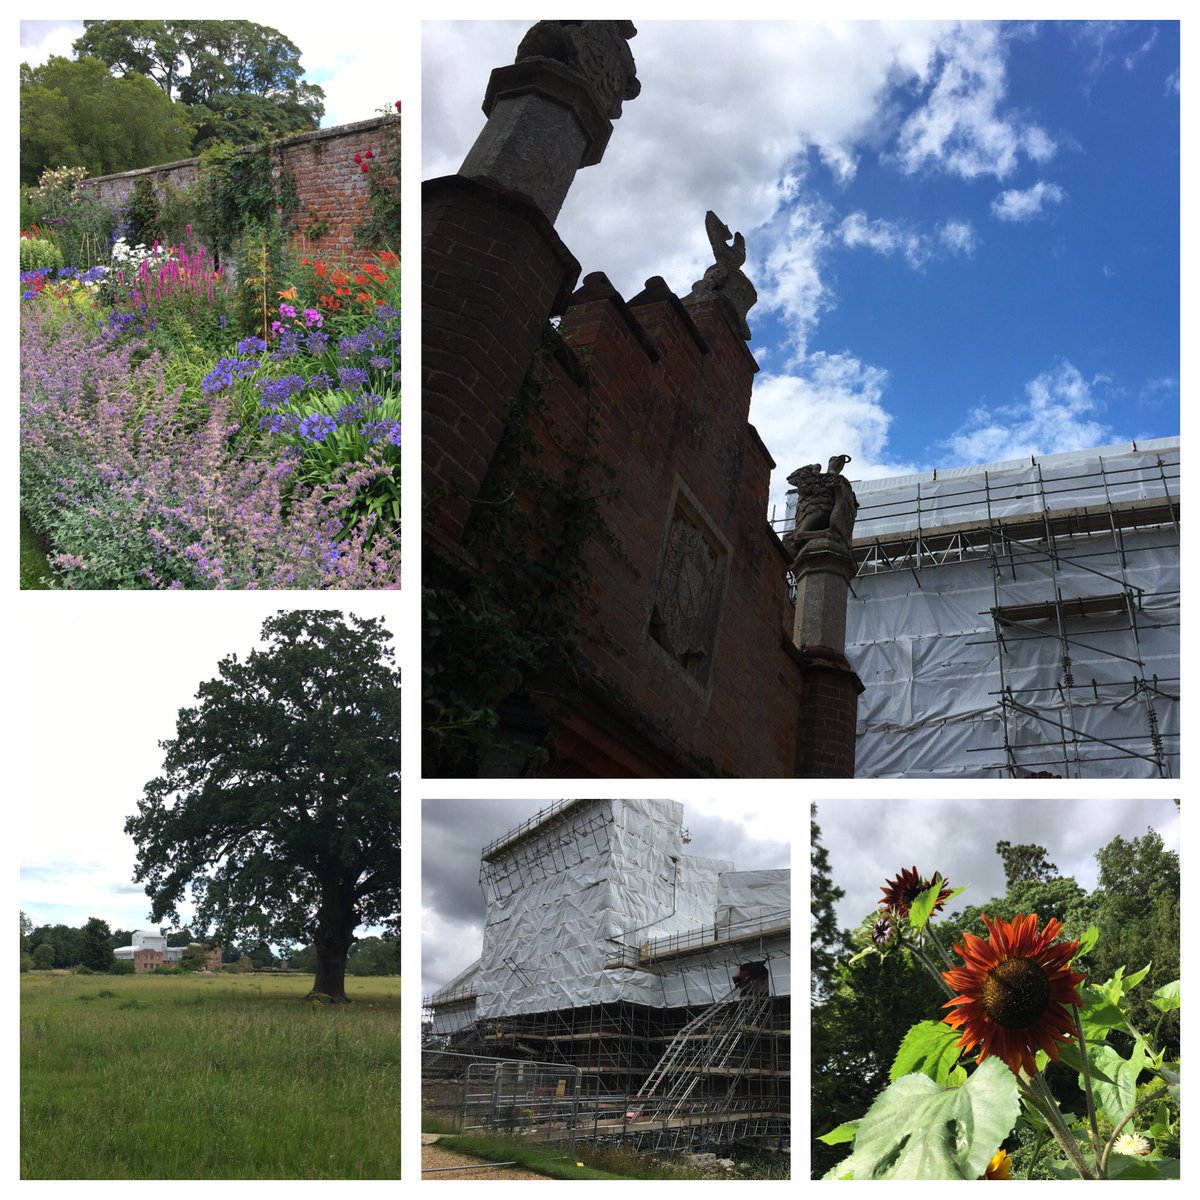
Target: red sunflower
899,893
1014,991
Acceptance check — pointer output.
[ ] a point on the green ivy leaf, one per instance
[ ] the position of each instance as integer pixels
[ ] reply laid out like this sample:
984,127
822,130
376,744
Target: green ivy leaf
929,1049
843,1133
918,1130
1166,999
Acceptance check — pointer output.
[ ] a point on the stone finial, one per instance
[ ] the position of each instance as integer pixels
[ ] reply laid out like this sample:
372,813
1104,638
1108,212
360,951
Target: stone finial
597,50
825,510
725,280
551,111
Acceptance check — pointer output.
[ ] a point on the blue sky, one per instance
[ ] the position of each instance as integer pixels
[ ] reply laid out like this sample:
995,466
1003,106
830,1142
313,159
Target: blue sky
964,236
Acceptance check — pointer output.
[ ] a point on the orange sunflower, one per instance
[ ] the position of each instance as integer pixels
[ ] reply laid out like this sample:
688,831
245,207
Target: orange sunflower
1000,1167
1014,991
899,893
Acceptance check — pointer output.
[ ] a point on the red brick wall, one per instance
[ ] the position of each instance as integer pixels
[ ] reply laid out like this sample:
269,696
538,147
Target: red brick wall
669,402
331,188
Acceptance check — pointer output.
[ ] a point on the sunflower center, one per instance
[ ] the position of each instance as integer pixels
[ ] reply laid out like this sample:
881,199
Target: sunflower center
1016,992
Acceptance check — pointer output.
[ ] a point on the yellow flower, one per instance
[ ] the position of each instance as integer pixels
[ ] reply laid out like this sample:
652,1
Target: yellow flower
1000,1167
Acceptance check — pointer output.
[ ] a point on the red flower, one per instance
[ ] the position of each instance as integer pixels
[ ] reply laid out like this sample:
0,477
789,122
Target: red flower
365,167
357,158
370,154
397,105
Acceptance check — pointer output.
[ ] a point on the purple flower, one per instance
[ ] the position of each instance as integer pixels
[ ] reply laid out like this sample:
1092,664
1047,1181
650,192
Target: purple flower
251,345
352,378
313,318
287,310
316,427
279,391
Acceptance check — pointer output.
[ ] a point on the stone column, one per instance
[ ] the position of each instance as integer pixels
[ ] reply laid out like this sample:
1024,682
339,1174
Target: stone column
823,567
493,270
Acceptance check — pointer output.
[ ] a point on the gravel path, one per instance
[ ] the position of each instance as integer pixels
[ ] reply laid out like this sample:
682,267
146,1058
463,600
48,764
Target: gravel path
435,1156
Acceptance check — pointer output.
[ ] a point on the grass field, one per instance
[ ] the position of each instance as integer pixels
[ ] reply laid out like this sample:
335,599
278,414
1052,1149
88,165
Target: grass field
208,1077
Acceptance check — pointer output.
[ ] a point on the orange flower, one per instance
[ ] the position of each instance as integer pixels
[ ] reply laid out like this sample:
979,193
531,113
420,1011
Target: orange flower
1015,991
290,294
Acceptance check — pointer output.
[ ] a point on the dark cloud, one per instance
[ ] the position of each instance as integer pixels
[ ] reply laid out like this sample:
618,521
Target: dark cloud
870,840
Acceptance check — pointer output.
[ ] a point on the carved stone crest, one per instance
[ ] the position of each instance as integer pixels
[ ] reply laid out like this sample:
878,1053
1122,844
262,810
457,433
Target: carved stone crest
825,509
597,50
683,617
725,278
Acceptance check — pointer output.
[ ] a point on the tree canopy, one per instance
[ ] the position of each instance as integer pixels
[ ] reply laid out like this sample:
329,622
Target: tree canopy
240,81
75,114
278,808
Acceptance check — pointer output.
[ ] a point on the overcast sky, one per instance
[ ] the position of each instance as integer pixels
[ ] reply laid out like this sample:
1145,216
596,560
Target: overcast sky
869,841
752,834
101,682
360,74
964,236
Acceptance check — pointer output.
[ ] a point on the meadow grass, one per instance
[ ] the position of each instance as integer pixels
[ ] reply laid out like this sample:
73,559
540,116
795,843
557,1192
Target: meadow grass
208,1077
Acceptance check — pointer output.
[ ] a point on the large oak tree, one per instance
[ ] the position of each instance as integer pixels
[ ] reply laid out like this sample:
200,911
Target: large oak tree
279,802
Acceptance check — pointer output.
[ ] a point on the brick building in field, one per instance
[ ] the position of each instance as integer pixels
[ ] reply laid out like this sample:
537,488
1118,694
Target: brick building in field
620,427
149,950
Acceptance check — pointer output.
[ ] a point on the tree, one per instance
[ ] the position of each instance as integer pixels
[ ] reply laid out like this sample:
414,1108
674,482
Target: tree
375,956
26,930
194,958
75,114
95,945
43,957
279,802
1025,862
240,81
828,939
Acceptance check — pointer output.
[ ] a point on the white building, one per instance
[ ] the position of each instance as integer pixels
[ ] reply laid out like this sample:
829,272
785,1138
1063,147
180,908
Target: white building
1021,618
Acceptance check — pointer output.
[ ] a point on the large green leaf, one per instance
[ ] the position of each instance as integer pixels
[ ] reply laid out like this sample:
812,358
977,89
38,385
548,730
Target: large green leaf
930,1048
842,1133
1114,1079
918,1130
1166,999
1087,940
921,908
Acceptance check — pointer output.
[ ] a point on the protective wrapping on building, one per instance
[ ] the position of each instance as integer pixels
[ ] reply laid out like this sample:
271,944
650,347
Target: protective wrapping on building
1021,618
599,883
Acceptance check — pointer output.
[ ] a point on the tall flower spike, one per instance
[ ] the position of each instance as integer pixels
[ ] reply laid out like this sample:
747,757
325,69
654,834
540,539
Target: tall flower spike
1015,991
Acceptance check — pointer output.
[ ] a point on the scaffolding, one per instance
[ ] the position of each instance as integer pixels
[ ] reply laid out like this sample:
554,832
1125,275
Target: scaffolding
1021,619
609,952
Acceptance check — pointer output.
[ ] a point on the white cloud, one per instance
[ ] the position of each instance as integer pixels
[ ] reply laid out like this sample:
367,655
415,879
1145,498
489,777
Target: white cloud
1058,413
832,404
958,236
1172,84
961,128
1023,205
1132,59
884,237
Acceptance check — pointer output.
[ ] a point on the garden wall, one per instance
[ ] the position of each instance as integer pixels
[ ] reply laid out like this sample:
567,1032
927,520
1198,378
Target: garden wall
332,190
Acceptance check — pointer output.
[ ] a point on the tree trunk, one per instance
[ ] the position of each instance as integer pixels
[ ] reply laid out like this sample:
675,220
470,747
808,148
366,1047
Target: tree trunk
335,933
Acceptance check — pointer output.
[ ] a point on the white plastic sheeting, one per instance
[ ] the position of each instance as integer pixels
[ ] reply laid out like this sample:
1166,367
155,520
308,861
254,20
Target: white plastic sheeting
550,930
923,642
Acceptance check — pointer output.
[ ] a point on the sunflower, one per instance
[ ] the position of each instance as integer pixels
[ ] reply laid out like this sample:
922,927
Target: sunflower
1014,991
899,893
1000,1167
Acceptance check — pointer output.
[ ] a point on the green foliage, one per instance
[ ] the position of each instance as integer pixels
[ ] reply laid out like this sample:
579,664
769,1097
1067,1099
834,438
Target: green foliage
74,113
95,945
278,809
240,191
27,963
920,1130
194,958
1025,863
43,957
66,209
120,967
829,941
373,956
39,252
380,230
237,81
929,1048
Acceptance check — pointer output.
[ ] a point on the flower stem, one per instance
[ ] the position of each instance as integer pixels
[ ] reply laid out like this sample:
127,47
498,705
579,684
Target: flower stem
1045,1104
1087,1089
933,937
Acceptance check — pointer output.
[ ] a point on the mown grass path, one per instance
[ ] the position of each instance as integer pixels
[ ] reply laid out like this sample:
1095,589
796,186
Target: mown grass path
208,1077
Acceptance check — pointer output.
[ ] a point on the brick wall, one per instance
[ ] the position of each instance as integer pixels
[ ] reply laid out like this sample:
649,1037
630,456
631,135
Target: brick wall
332,189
